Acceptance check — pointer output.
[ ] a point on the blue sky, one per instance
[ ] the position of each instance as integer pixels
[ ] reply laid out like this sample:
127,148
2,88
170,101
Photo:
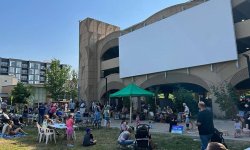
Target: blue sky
41,30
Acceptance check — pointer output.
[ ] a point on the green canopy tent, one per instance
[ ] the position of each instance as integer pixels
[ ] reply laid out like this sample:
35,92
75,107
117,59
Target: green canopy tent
131,90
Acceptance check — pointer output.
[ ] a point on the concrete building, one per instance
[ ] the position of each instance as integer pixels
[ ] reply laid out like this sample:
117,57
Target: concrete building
6,80
99,58
26,71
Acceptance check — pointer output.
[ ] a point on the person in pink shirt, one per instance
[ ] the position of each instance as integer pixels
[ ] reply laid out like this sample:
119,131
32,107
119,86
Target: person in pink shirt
70,130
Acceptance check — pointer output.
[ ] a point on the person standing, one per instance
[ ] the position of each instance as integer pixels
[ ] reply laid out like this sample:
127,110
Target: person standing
205,125
70,130
4,106
72,106
82,109
25,114
42,110
186,114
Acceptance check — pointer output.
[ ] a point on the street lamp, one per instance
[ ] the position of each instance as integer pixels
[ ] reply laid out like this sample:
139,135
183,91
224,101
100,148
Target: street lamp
106,84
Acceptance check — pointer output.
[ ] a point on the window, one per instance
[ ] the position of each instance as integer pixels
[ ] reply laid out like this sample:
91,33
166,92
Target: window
18,64
18,76
24,77
24,71
31,82
4,70
42,73
37,77
37,82
37,71
31,77
42,79
18,70
31,71
12,63
11,70
4,64
38,66
42,67
32,65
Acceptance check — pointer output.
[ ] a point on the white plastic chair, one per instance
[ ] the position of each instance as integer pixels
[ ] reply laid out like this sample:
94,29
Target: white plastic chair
49,133
40,132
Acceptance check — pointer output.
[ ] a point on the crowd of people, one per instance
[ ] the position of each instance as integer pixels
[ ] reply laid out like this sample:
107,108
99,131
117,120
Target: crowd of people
72,112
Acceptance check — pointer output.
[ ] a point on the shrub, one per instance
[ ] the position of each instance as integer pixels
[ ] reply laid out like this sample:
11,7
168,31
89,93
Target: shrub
227,98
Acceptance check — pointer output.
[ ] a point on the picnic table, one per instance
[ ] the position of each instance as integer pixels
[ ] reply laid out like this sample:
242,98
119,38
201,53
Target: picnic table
59,126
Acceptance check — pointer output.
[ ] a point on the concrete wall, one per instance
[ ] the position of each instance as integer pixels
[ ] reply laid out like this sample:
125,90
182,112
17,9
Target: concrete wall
91,31
94,44
7,80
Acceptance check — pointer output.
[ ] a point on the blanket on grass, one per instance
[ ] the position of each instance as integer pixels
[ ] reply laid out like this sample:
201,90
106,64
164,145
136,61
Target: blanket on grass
11,136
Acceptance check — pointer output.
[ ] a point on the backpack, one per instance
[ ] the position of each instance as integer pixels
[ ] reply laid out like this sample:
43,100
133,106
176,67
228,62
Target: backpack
218,137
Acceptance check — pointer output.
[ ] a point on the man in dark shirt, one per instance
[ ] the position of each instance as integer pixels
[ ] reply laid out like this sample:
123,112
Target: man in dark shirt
41,113
205,125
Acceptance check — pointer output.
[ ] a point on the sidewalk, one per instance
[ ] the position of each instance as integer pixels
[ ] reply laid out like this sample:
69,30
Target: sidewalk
226,125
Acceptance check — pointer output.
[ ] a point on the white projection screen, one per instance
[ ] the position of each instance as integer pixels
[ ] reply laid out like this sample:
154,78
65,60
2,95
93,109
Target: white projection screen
201,35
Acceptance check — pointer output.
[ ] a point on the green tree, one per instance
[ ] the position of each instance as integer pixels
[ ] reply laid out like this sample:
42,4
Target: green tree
20,93
227,98
71,86
181,95
56,77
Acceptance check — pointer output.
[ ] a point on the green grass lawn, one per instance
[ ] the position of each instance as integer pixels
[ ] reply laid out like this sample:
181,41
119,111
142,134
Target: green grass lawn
106,140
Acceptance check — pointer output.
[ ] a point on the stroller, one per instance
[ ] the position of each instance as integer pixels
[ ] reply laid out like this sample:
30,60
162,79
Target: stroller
218,137
142,137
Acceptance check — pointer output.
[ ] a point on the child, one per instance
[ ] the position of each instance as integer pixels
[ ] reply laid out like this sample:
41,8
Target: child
107,118
70,130
88,139
237,127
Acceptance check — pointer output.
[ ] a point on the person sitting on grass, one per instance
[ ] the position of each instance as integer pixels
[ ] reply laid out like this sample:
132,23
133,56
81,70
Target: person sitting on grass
88,138
124,138
70,130
13,131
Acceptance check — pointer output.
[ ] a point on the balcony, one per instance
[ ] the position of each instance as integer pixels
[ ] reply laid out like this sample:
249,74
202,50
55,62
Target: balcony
24,72
24,65
4,71
109,64
24,78
43,68
4,64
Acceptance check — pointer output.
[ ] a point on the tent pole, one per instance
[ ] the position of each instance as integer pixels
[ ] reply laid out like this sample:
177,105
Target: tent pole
130,111
155,101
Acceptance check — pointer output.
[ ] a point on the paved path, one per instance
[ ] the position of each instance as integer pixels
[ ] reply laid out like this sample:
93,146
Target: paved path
163,128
